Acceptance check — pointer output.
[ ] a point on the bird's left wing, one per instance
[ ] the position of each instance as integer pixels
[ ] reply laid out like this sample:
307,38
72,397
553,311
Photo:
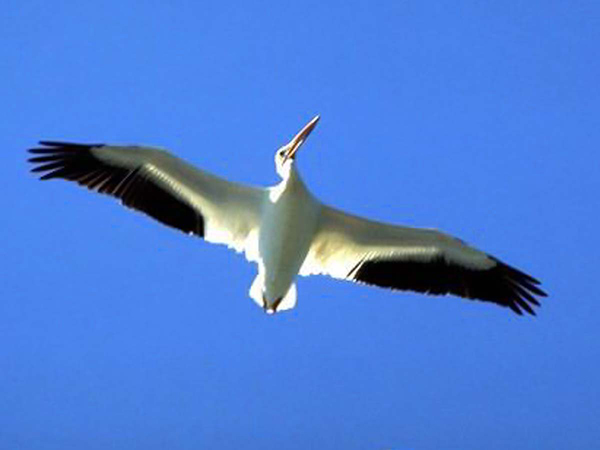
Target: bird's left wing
153,181
422,260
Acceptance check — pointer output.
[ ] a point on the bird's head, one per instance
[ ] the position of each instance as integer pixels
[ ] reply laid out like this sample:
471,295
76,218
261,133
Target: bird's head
286,155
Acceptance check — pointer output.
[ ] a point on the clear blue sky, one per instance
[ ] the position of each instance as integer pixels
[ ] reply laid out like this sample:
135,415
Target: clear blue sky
478,118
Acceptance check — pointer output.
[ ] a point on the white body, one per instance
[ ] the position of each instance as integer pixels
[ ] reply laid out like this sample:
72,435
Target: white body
289,222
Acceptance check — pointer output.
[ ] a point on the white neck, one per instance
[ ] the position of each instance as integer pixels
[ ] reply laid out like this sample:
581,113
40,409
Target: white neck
286,171
291,180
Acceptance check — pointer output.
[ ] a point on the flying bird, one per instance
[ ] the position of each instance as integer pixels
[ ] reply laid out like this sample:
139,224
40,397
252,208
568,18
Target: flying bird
284,229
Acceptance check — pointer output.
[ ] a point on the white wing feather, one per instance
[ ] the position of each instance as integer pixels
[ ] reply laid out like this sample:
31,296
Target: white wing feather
343,240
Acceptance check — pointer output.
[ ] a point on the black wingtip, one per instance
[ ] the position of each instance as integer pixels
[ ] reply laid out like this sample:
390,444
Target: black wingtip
513,306
500,284
143,192
67,144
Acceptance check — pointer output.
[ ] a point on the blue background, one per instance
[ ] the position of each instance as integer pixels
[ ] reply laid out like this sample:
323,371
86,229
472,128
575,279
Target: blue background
478,118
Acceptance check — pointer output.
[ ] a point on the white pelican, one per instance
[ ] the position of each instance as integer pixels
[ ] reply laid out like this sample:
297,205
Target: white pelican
284,228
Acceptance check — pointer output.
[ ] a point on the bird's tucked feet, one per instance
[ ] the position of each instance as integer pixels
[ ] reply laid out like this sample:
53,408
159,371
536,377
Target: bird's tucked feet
276,304
271,309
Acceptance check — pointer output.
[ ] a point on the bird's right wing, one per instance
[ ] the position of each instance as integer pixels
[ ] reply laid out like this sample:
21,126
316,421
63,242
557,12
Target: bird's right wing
422,260
162,186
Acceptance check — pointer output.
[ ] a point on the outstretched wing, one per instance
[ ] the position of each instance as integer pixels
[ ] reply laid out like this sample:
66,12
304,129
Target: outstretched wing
160,185
422,260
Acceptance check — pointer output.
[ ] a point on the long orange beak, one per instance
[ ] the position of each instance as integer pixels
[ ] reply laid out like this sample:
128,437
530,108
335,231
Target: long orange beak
301,137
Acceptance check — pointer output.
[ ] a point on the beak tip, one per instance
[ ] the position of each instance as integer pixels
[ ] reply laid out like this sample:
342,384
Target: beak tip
302,135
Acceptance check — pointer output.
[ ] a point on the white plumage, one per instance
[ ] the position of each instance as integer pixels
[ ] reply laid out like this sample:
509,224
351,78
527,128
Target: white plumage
284,228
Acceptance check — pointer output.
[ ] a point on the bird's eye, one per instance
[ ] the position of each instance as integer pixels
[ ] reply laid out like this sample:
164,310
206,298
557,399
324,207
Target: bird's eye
282,153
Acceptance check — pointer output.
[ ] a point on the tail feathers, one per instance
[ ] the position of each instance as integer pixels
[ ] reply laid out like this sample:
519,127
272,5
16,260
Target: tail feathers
289,300
256,291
